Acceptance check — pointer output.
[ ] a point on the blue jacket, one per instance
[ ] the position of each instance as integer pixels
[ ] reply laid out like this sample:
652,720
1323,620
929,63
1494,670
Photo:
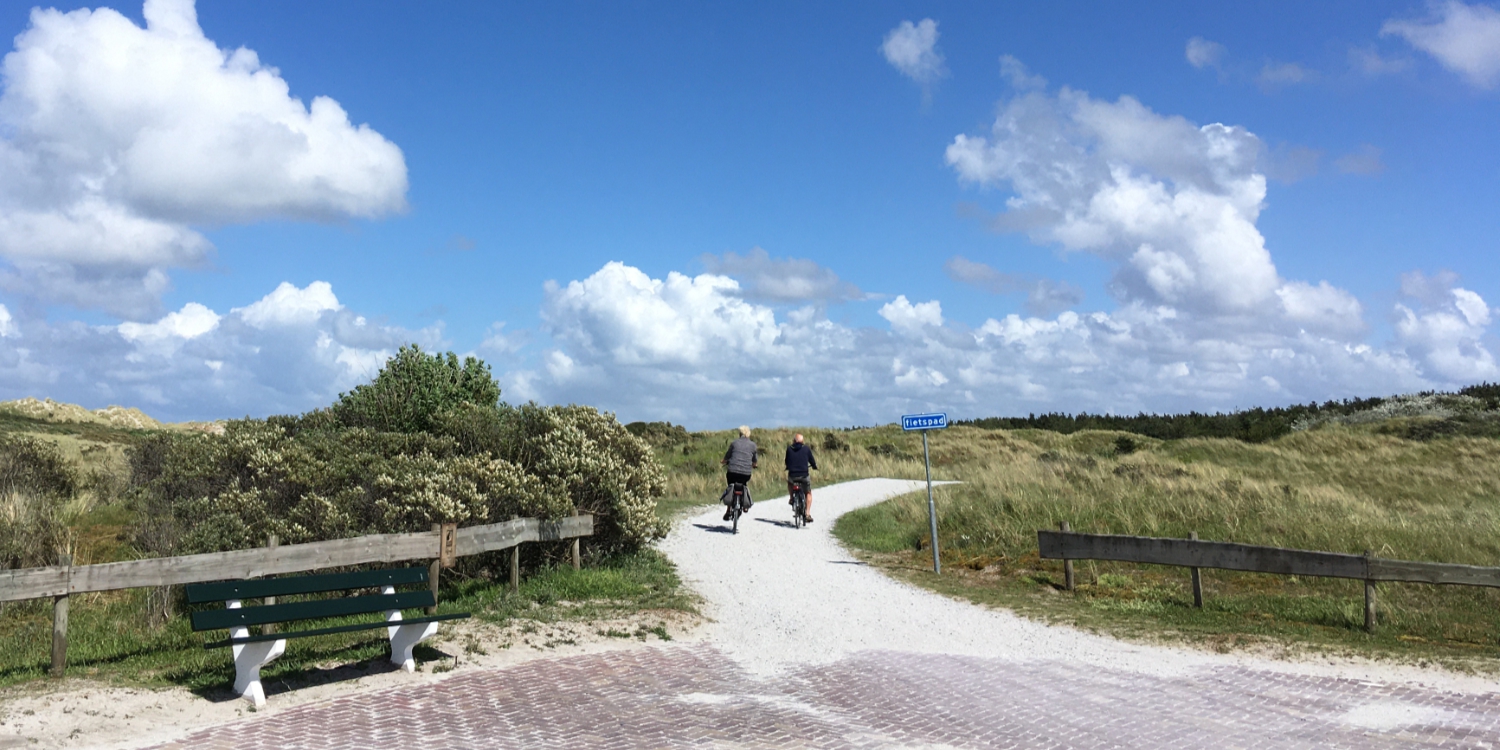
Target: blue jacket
799,457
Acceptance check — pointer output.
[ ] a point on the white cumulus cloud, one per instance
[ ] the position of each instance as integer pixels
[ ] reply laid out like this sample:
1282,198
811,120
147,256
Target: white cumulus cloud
116,140
293,350
288,305
910,319
630,343
1201,53
1444,326
629,318
1463,38
1171,204
912,49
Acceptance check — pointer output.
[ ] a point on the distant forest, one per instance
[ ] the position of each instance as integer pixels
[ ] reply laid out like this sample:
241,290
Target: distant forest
1251,425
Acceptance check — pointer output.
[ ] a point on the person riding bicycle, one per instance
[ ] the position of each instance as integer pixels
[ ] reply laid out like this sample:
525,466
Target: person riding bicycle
799,458
740,460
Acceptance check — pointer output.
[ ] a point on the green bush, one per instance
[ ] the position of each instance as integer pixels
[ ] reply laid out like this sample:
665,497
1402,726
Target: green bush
603,468
36,485
579,452
456,456
413,389
226,492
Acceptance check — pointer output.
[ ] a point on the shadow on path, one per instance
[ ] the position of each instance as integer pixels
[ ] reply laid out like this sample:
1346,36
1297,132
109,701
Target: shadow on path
716,529
782,524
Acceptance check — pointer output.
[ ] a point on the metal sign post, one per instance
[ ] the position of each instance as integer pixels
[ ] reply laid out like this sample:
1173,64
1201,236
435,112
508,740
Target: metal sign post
923,423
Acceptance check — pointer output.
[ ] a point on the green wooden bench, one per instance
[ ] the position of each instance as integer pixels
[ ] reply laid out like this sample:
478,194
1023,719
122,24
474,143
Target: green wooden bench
251,652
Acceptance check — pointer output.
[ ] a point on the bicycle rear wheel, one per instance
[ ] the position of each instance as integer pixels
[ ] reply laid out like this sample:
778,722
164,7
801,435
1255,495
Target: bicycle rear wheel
734,526
799,509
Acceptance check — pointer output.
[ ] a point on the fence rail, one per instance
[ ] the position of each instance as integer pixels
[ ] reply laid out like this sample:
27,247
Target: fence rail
1192,553
57,582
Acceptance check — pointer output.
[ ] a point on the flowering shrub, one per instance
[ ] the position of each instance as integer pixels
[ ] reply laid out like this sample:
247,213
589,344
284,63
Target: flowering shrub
308,478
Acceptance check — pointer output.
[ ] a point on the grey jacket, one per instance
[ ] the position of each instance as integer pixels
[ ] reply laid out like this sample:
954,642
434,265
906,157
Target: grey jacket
741,456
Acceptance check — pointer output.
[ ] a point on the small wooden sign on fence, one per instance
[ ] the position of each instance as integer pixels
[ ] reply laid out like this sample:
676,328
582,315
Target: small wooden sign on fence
448,546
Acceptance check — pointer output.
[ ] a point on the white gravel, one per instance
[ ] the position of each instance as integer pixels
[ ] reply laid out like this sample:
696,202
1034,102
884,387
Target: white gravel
782,597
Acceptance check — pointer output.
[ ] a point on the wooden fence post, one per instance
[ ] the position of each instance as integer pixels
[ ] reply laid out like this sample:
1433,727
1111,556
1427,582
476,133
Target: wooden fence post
60,623
435,567
1369,598
1067,564
515,569
1197,579
577,563
272,542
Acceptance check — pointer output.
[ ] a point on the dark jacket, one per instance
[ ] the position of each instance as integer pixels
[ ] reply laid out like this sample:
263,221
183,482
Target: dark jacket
799,457
741,456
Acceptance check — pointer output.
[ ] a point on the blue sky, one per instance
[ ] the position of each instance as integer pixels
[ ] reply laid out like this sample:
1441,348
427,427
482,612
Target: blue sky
763,213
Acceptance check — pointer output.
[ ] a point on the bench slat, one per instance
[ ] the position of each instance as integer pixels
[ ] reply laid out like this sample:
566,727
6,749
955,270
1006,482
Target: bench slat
216,619
199,593
337,629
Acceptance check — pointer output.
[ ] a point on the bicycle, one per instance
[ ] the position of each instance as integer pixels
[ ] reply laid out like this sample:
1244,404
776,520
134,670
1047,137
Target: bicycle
738,497
799,505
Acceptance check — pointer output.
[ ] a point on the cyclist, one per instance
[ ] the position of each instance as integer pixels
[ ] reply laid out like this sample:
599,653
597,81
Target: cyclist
740,460
799,458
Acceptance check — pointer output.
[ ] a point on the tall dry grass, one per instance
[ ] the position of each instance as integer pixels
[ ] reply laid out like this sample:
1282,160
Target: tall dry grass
39,498
1343,488
1337,489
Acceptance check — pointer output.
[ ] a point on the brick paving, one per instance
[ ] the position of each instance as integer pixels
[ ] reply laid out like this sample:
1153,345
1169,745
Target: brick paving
695,696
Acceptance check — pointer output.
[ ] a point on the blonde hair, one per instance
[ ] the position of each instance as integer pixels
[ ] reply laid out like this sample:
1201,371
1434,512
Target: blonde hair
744,431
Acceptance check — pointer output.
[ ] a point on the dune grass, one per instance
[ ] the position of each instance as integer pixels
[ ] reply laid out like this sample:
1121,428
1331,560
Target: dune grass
1339,488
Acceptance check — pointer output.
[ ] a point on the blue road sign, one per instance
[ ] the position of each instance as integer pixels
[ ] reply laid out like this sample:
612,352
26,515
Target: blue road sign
924,421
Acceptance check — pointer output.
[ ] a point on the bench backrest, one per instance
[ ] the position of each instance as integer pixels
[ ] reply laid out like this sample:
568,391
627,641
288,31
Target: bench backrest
309,610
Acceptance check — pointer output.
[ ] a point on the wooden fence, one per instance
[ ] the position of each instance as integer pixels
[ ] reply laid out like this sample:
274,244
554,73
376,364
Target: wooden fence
1193,553
441,545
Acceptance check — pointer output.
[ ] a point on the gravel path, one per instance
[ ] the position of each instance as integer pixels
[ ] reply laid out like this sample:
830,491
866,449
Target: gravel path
783,598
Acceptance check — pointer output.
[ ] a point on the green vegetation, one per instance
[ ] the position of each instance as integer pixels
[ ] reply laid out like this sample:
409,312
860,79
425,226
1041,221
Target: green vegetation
38,491
414,389
428,440
1345,486
1471,411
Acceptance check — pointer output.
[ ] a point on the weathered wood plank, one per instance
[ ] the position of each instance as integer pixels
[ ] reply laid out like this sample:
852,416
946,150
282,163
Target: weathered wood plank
1426,572
473,540
1197,554
33,583
564,528
38,583
252,563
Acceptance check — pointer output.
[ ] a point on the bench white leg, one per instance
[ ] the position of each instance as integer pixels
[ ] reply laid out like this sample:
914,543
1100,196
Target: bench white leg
405,637
249,658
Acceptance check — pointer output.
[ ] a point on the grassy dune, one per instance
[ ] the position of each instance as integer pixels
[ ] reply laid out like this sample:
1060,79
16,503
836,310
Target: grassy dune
1340,488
